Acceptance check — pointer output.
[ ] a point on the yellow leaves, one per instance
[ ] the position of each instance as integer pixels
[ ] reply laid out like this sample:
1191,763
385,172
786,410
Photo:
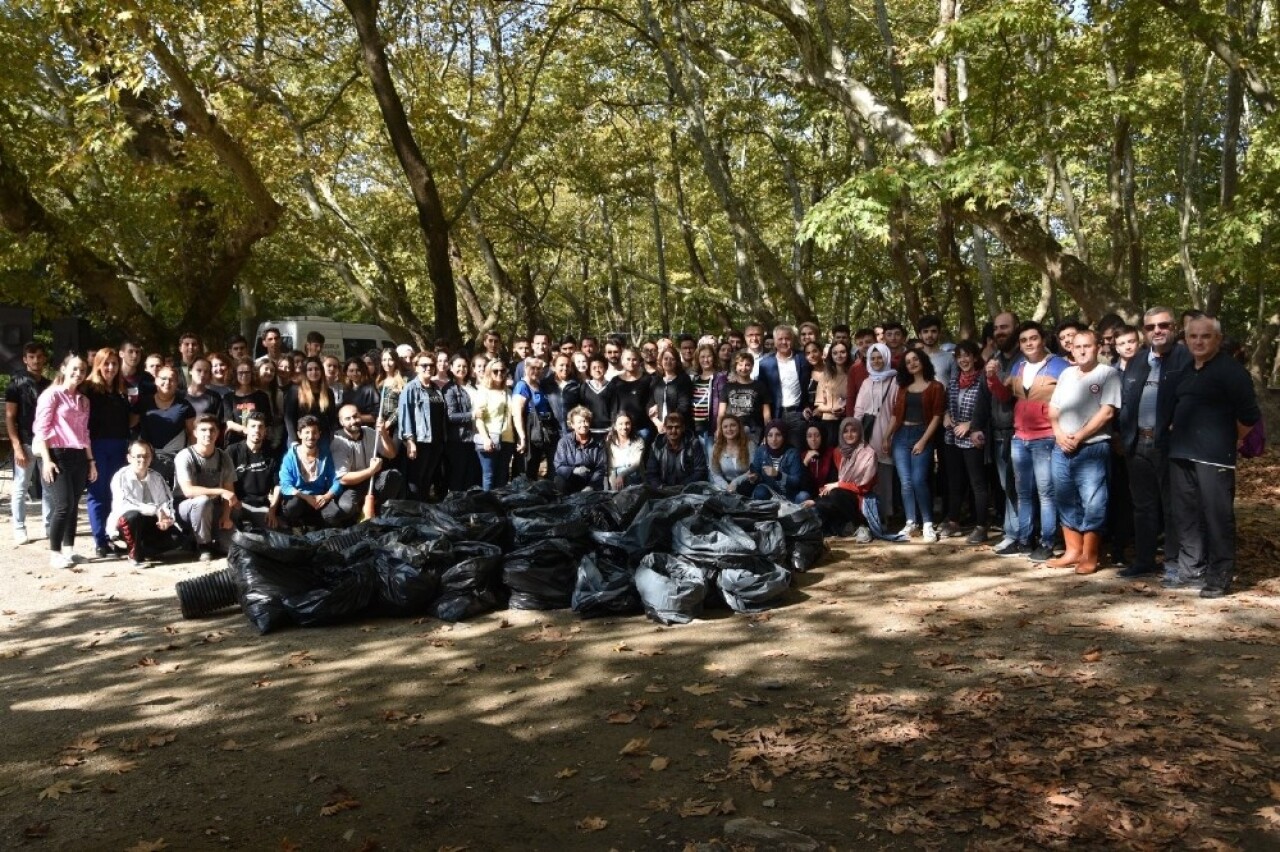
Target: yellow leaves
299,660
57,790
658,764
592,823
1271,815
339,800
566,773
701,688
160,740
148,846
635,747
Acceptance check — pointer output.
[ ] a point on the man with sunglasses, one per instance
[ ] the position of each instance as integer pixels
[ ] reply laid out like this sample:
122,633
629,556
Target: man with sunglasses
1146,405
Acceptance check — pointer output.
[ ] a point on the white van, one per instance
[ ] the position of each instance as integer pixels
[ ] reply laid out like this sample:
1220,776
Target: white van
343,340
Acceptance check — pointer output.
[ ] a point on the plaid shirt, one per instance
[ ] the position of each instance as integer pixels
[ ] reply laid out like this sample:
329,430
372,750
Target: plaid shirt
960,405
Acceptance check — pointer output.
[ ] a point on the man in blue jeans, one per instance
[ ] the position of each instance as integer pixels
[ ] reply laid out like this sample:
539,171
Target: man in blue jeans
998,368
1081,410
20,413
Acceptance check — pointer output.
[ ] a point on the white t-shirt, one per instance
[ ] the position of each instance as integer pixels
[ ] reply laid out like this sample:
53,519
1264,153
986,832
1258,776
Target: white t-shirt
1079,396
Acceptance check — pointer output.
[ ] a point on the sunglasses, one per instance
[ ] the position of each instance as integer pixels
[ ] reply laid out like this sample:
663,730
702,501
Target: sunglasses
425,364
1152,326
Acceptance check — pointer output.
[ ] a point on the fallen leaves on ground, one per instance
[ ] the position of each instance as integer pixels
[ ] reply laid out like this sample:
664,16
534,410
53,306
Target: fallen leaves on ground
148,846
635,747
592,823
57,790
339,800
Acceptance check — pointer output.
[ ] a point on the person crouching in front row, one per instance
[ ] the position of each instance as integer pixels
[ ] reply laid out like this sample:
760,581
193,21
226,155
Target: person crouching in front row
579,462
308,485
142,506
673,461
205,492
359,455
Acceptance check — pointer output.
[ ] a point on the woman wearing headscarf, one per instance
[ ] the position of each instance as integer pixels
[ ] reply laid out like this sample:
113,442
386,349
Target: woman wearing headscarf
843,503
777,467
874,411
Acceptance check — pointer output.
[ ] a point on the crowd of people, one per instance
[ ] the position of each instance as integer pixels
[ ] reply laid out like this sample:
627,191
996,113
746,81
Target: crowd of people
1106,440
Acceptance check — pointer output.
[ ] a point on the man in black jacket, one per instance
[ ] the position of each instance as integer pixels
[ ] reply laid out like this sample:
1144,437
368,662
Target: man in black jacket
673,461
20,399
1146,403
579,463
1214,406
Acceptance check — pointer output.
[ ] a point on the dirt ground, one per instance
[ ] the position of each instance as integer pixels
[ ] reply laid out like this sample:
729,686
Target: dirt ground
907,696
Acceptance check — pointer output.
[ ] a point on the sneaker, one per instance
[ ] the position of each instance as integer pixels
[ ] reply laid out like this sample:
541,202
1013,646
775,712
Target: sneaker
908,530
1011,547
928,533
57,559
206,554
978,536
1213,592
1136,571
862,536
138,563
101,551
950,529
1179,582
1043,553
20,537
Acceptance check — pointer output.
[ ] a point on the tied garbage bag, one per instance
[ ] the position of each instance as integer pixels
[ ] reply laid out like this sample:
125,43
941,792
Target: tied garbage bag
753,585
708,540
542,575
803,528
263,582
538,523
471,502
771,543
404,588
470,582
671,588
522,493
605,586
624,505
426,521
489,527
650,532
344,591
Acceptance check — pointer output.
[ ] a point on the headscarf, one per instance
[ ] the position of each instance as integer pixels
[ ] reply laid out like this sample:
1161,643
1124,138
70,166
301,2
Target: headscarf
888,372
857,459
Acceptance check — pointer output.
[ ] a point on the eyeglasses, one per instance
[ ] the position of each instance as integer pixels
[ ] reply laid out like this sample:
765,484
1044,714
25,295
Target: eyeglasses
424,365
1152,326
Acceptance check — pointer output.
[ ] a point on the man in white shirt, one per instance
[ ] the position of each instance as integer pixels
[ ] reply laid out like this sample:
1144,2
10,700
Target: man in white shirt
786,374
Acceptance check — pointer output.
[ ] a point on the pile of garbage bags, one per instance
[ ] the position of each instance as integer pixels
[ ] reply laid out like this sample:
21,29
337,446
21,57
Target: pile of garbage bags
668,554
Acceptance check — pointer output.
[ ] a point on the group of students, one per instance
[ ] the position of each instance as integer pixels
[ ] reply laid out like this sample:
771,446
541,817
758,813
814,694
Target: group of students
865,427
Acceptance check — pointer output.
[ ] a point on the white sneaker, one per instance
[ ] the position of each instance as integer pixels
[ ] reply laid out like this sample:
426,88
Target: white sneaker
60,560
908,530
862,536
929,534
20,537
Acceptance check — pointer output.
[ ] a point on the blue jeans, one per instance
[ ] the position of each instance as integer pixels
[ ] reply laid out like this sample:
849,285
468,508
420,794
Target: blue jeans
22,478
109,453
495,467
1033,477
1002,454
913,473
1080,486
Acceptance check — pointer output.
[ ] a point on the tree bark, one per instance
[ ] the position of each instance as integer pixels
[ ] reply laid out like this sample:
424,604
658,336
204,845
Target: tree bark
422,184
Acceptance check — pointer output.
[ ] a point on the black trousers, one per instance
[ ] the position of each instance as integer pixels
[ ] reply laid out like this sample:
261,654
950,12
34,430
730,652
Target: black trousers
1152,506
1119,516
462,464
1204,511
838,508
421,470
143,537
65,493
966,475
387,485
297,512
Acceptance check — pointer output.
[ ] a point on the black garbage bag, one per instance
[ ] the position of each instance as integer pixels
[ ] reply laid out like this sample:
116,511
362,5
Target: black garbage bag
488,526
277,546
537,523
471,502
771,543
263,582
427,520
403,588
471,580
605,586
753,585
525,493
803,528
708,540
613,546
624,505
542,575
650,532
671,588
346,590
592,507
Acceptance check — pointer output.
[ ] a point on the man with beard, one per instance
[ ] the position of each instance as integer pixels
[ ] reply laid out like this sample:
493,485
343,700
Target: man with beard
359,455
308,485
998,369
257,476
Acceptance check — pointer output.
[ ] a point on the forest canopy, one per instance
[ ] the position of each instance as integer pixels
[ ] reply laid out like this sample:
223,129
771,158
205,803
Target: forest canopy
639,166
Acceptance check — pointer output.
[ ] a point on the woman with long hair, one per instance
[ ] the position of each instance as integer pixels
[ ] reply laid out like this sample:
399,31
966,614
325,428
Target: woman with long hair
670,390
541,427
596,393
358,390
311,396
874,410
965,441
499,426
624,454
244,398
463,465
167,422
631,391
269,385
110,419
917,416
729,462
833,384
841,503
67,465
706,382
393,375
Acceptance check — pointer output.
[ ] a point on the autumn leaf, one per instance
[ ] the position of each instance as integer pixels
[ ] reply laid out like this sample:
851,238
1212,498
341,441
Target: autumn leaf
592,824
705,807
990,821
634,747
1271,814
1274,787
231,745
761,784
85,743
566,773
659,763
120,767
1091,656
620,718
701,688
307,718
148,846
426,741
58,789
299,660
160,740
339,800
36,830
